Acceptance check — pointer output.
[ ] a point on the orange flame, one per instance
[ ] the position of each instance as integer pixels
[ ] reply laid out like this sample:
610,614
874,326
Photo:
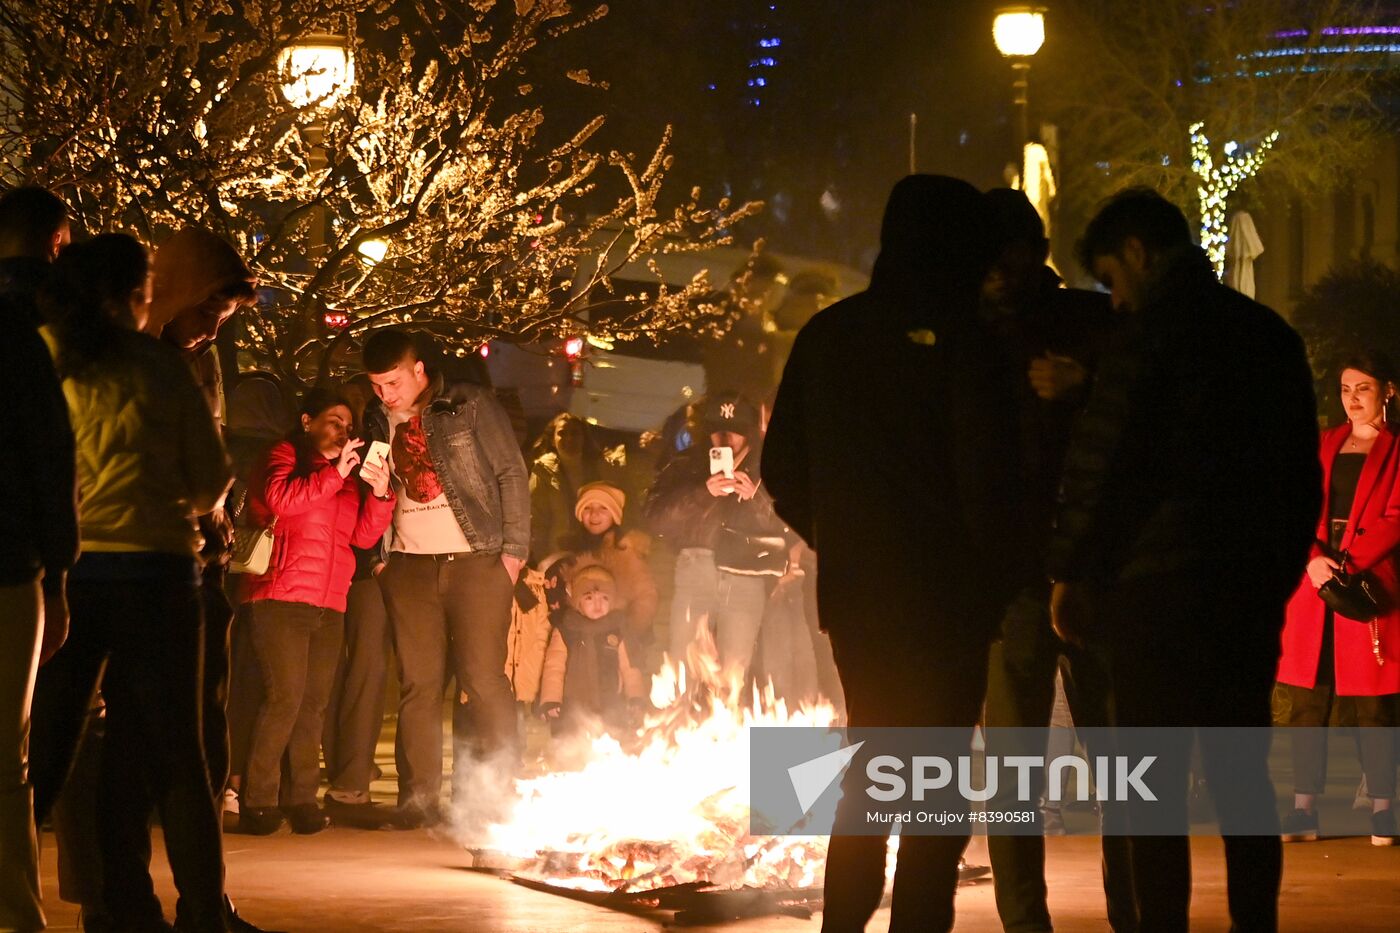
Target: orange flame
671,807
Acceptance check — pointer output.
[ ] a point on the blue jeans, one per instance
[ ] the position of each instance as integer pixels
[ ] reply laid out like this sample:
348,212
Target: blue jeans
739,611
696,597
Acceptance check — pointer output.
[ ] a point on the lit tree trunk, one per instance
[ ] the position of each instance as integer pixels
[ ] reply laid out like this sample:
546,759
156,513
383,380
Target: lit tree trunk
1217,184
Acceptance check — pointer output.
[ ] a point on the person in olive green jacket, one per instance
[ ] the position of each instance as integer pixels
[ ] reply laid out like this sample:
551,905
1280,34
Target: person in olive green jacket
149,461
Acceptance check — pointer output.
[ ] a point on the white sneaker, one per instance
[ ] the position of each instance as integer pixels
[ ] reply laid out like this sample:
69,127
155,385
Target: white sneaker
1383,827
230,801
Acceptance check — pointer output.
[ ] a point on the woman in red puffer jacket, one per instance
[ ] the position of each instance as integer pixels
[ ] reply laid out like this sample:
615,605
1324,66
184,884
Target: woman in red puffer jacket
307,490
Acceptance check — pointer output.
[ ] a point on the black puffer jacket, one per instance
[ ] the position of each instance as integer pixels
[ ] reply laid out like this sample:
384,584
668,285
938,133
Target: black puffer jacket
680,509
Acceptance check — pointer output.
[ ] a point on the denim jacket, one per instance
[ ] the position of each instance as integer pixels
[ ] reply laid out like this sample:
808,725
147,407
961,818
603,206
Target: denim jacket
477,461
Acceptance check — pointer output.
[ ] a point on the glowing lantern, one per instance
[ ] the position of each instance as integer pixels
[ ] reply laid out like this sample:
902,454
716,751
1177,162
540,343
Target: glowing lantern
1019,31
372,252
316,72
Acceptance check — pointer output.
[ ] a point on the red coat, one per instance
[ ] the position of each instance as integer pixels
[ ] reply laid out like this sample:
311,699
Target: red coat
319,516
1376,512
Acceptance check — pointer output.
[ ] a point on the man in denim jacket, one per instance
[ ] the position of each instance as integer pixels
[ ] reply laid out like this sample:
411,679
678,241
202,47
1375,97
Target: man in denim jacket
460,536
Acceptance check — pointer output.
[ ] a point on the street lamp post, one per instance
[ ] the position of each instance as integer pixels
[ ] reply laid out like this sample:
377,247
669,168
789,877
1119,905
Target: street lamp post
1019,32
316,71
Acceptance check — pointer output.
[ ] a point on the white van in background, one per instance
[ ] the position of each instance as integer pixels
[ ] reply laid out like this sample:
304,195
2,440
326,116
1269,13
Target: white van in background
634,386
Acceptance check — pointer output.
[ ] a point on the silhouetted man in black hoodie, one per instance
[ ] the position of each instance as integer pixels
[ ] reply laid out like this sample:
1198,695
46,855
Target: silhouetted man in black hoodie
893,451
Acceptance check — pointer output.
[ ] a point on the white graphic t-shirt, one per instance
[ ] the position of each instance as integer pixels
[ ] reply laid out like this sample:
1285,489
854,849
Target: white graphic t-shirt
423,519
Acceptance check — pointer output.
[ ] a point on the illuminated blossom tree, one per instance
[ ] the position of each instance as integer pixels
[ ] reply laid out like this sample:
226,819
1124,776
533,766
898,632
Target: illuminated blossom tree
431,188
1218,182
1128,83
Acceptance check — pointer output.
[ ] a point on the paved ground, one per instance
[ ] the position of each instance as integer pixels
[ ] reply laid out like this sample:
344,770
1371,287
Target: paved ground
349,881
354,881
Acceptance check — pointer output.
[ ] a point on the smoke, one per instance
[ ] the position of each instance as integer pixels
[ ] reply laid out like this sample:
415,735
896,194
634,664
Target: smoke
487,790
483,792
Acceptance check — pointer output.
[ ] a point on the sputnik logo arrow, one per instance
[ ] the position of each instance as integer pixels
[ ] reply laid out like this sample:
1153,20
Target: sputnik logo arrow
811,778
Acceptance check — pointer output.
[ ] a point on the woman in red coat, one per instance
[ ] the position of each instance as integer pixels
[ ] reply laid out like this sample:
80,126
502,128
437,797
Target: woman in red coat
1325,656
307,491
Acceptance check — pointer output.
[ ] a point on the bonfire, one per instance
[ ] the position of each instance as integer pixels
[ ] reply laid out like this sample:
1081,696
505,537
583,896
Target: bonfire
666,808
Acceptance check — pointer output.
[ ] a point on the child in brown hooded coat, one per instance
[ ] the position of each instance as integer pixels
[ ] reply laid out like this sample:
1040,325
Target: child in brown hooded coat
588,671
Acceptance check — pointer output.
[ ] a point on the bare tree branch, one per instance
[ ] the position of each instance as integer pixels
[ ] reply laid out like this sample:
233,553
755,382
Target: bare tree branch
1126,81
155,116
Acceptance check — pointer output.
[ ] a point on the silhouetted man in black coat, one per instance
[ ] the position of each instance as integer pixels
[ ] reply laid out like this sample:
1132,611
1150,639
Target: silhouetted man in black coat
1191,492
893,451
1055,336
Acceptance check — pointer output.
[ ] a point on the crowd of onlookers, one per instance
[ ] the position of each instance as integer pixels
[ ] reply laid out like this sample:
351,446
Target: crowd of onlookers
211,581
247,569
578,625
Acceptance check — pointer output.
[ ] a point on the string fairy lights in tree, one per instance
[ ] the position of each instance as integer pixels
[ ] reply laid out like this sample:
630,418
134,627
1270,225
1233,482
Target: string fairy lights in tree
1218,183
401,169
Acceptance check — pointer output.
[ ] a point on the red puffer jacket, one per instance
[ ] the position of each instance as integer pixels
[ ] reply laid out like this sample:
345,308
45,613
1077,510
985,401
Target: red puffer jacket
319,516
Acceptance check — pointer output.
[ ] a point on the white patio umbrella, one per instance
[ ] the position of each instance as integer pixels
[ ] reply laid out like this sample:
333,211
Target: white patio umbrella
1243,247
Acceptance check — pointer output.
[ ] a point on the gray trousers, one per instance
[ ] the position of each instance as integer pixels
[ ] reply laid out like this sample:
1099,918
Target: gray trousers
732,604
696,592
297,647
739,612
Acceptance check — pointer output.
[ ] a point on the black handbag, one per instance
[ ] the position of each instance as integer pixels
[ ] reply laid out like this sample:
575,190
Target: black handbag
1356,595
751,555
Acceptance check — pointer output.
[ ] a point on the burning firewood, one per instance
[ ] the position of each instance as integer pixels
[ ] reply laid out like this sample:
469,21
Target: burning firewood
670,810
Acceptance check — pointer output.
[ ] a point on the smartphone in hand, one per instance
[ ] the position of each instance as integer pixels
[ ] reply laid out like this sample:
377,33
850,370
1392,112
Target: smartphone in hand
722,461
378,451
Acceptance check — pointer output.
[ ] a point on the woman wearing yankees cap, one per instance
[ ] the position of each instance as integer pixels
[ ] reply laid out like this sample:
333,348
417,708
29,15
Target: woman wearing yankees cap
731,547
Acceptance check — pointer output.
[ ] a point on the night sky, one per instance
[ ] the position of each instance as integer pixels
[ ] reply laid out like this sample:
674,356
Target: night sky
790,100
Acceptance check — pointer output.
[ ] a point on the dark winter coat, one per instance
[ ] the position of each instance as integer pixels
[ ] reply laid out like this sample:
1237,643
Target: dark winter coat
680,509
320,515
1067,322
892,448
1198,446
588,666
40,526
